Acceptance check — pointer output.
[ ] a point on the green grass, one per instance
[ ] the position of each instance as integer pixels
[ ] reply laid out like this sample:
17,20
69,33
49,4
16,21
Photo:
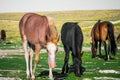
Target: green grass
10,45
15,66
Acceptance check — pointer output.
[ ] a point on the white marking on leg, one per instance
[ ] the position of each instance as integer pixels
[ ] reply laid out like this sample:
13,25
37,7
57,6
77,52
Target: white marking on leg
26,59
31,58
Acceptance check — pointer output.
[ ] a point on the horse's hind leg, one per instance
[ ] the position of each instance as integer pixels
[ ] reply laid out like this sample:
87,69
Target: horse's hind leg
94,46
24,41
26,58
100,55
65,66
106,51
37,50
31,58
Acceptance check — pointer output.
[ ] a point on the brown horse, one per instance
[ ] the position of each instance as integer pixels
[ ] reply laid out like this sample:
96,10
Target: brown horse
101,32
38,32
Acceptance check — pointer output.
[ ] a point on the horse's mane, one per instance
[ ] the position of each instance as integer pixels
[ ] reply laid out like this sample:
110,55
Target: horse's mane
53,30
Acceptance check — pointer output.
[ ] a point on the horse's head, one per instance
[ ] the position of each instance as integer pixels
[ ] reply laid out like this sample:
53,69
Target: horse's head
52,50
94,50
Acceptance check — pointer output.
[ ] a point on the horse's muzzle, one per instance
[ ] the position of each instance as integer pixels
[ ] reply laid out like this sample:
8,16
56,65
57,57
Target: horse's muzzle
52,64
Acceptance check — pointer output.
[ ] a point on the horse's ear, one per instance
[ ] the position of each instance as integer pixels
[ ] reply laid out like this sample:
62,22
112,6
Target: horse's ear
56,39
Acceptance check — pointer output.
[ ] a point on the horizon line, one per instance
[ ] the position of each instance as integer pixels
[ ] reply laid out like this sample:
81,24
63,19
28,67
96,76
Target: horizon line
56,10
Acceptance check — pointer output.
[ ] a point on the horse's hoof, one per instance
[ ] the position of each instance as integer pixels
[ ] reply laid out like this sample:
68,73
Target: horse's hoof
78,75
93,56
62,72
51,77
28,78
33,79
106,59
100,56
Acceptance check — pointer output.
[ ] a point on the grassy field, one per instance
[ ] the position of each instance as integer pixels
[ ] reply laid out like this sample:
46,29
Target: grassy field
14,65
86,19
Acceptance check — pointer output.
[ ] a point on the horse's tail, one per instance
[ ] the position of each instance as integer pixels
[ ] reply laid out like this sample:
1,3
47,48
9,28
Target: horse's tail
112,38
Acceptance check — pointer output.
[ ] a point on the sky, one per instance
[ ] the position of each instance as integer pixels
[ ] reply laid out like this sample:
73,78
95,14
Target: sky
56,5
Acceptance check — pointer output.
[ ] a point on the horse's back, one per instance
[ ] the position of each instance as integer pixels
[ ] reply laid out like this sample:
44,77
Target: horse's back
34,27
95,32
67,33
22,24
24,19
71,34
100,30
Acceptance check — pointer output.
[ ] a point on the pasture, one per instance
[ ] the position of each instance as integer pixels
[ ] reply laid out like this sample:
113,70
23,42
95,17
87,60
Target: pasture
13,66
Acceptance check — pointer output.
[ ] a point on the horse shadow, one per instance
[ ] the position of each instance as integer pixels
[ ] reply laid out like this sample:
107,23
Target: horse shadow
56,75
104,57
59,76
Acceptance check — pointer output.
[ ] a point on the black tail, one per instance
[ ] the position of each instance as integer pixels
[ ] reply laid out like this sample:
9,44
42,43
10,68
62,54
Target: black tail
112,38
99,21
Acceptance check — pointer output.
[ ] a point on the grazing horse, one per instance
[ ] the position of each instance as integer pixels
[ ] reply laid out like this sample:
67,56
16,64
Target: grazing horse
101,32
72,39
38,32
3,35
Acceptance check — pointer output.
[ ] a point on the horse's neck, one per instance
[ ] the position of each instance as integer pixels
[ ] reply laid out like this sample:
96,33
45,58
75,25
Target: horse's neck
53,32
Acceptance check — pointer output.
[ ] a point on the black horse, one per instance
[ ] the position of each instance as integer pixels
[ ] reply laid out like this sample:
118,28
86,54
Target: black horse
72,39
3,35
